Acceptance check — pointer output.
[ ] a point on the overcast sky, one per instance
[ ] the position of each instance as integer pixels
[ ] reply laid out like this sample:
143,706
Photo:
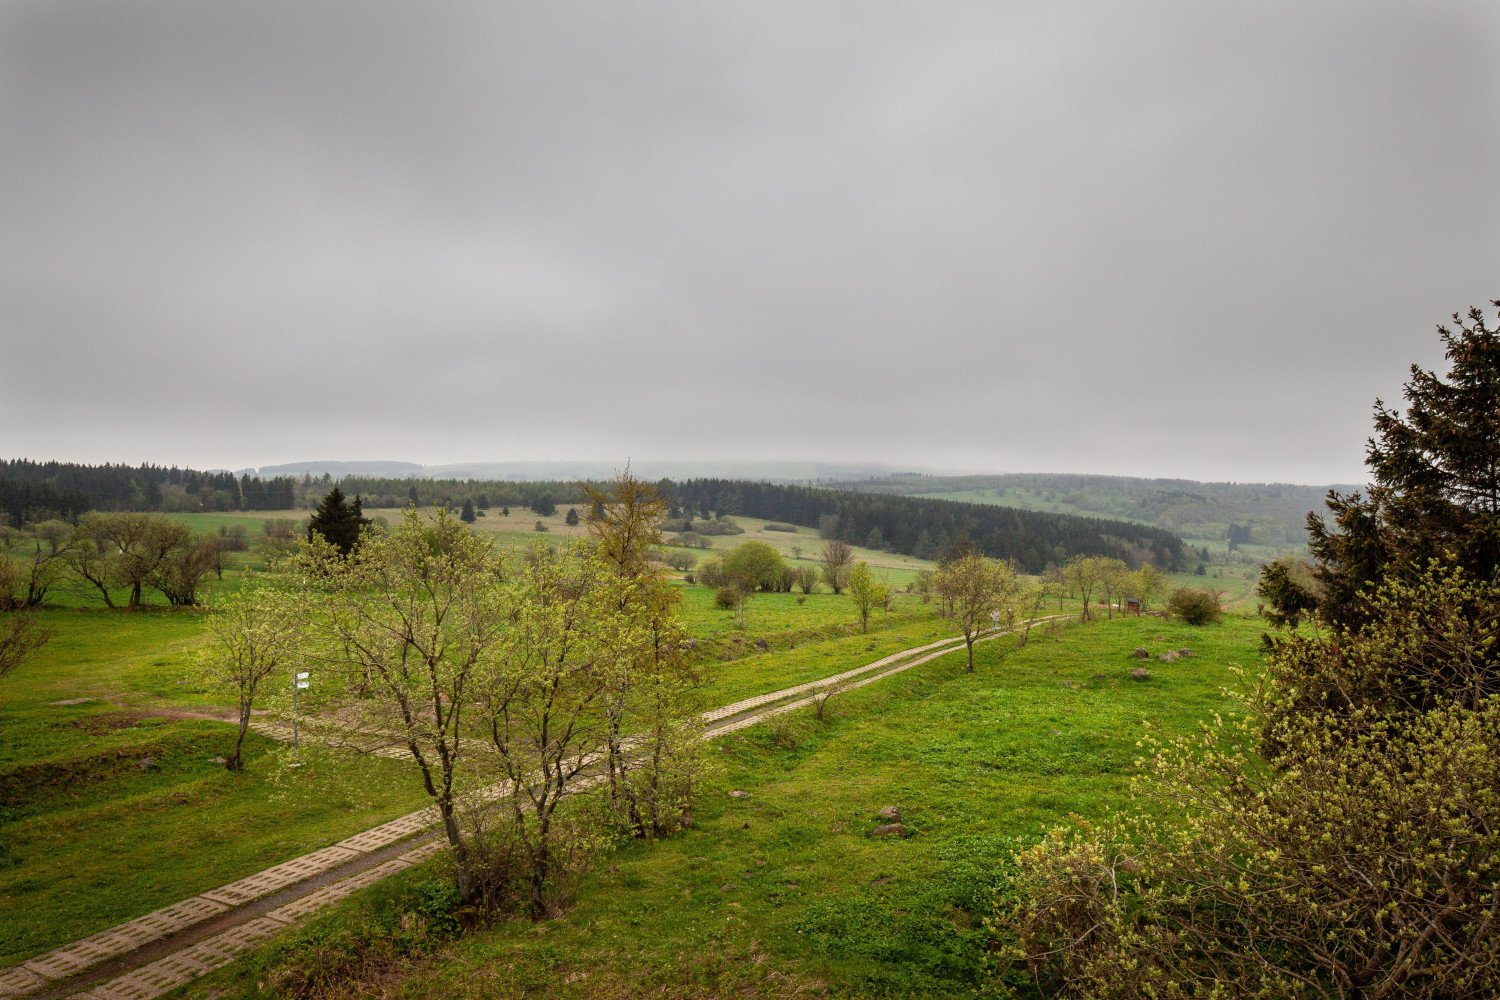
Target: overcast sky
1191,239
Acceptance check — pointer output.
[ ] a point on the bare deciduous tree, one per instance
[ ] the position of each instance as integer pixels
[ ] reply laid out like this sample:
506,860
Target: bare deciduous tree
836,559
21,635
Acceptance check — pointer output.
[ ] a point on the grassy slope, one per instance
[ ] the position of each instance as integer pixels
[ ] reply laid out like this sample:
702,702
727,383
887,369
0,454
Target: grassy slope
786,893
90,840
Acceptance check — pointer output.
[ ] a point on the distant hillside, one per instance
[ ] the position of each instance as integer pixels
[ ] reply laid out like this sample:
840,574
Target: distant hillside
583,469
388,470
1272,514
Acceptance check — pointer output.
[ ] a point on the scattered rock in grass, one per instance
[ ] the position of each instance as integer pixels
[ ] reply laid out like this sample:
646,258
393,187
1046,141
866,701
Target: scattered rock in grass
1057,732
727,887
1167,657
146,764
1101,677
890,830
72,701
1184,653
1141,653
690,644
1140,674
745,825
762,645
890,813
221,761
1158,638
737,794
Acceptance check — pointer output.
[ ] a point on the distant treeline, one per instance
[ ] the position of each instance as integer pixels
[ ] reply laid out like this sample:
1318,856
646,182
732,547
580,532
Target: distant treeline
33,491
380,491
925,528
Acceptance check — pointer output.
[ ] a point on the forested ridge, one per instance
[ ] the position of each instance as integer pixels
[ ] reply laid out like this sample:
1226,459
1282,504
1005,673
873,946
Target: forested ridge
34,490
924,528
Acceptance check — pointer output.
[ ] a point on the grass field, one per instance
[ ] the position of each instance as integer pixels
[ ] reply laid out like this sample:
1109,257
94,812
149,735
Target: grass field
798,548
88,838
786,893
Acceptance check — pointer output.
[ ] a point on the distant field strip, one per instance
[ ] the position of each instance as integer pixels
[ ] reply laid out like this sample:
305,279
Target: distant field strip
363,858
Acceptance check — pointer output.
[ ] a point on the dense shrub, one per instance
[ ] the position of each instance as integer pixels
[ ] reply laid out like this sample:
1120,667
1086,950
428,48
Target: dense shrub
754,566
774,526
728,597
1196,607
719,526
711,572
1356,855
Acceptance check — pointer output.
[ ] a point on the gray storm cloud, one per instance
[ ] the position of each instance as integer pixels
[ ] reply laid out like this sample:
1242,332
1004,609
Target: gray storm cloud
1178,239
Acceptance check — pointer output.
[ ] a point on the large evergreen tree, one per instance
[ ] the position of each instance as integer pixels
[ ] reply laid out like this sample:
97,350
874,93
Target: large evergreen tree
1435,493
338,521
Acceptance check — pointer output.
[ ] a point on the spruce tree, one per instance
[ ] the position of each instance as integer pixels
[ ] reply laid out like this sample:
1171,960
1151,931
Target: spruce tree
467,515
572,518
1435,493
338,521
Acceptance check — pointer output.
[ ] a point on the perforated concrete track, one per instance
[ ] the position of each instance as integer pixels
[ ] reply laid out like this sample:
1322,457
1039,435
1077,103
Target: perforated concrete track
156,953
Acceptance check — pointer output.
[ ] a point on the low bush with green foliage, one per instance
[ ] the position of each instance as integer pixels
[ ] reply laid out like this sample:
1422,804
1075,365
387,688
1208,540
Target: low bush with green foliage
1196,607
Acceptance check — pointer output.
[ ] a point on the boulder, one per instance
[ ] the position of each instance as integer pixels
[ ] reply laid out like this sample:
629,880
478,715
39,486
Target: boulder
762,645
1141,653
1167,657
146,764
1184,653
1140,674
890,830
889,813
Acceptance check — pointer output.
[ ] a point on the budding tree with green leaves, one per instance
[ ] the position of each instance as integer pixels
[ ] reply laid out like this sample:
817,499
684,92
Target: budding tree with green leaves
407,626
252,637
866,592
972,588
651,786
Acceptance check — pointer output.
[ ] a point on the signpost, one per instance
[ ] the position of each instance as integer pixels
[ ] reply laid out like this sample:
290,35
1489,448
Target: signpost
299,683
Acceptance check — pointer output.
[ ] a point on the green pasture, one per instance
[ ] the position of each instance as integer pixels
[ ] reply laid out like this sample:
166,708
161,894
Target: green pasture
787,892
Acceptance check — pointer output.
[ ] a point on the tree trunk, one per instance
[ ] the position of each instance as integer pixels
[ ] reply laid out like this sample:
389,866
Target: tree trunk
969,645
236,760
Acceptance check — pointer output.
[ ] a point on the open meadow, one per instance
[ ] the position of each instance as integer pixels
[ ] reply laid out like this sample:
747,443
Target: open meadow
113,801
784,890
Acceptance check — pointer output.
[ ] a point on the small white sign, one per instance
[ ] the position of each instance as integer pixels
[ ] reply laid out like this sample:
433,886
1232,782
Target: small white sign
302,685
302,676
